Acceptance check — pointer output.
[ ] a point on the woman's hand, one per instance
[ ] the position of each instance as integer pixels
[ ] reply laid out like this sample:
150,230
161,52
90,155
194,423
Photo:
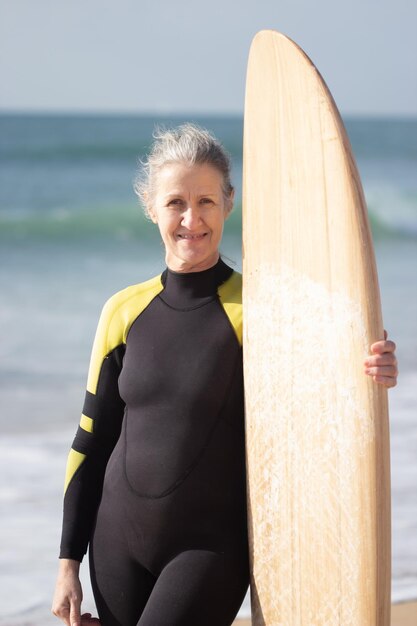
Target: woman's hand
382,364
68,594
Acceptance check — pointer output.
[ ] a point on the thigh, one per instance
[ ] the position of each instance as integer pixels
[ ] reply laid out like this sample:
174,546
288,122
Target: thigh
121,586
198,588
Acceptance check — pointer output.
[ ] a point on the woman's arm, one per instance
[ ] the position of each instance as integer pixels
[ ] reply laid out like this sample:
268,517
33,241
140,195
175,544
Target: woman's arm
95,439
96,436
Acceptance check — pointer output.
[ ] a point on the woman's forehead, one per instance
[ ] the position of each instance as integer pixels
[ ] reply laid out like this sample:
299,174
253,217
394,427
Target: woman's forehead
180,175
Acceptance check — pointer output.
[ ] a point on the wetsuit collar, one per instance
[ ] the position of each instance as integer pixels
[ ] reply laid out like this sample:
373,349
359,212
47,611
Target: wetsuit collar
184,290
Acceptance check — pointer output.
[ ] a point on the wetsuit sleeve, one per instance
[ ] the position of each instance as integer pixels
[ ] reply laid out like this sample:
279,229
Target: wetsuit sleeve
102,417
97,434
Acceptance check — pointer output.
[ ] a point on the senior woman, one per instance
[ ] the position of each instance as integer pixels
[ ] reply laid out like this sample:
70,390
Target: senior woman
155,481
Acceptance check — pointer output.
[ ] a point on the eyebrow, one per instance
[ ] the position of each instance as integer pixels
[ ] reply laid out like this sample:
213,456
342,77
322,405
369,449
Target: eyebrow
179,193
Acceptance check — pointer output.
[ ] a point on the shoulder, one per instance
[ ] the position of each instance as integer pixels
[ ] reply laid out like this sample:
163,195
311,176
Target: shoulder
130,296
123,307
117,316
231,289
230,294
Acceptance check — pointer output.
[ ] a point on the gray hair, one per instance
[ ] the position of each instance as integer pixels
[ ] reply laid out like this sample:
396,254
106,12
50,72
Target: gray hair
189,144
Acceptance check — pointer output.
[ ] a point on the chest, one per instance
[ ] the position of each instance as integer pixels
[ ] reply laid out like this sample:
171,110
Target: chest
188,353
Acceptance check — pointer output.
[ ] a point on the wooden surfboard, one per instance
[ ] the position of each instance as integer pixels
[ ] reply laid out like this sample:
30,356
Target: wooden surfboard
317,426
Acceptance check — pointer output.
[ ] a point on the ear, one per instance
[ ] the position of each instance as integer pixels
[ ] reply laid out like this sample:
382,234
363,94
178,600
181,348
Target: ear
229,204
149,212
152,214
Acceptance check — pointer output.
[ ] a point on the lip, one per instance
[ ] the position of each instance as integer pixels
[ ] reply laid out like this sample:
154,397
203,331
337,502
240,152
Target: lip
191,236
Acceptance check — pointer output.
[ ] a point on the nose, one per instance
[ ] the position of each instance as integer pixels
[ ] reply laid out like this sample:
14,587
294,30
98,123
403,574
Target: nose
191,217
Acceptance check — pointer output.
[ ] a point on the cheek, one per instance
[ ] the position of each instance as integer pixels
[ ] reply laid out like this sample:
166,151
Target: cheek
166,227
219,225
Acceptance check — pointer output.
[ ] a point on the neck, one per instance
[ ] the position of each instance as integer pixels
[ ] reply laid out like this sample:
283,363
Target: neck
190,289
184,267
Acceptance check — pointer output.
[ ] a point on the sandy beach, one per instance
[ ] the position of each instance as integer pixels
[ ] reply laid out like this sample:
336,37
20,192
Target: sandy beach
404,614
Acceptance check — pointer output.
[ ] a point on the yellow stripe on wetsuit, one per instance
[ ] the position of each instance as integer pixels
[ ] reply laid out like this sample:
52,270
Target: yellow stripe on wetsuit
117,316
231,298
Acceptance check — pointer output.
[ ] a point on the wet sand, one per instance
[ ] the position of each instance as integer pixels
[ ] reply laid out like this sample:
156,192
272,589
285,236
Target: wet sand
404,614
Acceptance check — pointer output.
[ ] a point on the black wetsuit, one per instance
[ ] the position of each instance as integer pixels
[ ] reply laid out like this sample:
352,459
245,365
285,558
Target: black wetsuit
162,437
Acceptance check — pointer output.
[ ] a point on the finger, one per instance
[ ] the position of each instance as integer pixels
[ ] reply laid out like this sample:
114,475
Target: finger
387,371
379,347
75,618
386,358
386,381
86,618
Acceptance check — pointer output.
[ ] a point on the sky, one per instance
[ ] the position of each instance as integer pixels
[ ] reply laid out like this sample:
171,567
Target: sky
179,56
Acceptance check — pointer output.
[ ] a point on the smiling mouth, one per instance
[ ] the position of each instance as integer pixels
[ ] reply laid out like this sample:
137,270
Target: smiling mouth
191,237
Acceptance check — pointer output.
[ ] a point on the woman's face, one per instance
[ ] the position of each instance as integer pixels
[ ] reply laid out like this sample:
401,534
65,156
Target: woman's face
190,209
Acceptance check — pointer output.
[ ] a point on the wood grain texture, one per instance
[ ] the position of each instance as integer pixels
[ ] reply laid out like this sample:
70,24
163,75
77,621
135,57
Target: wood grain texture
404,614
317,427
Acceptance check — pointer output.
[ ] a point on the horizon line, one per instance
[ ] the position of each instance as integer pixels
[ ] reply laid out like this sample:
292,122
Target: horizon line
58,112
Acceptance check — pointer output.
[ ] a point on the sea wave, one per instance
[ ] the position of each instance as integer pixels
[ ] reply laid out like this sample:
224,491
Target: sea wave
396,217
120,222
71,176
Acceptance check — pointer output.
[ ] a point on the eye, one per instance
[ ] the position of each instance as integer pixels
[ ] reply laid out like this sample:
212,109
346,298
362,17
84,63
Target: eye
206,201
175,202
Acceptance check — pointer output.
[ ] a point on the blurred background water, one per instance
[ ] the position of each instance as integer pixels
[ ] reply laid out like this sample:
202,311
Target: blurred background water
71,234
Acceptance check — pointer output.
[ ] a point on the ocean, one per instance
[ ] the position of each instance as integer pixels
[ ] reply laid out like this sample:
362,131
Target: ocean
71,234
